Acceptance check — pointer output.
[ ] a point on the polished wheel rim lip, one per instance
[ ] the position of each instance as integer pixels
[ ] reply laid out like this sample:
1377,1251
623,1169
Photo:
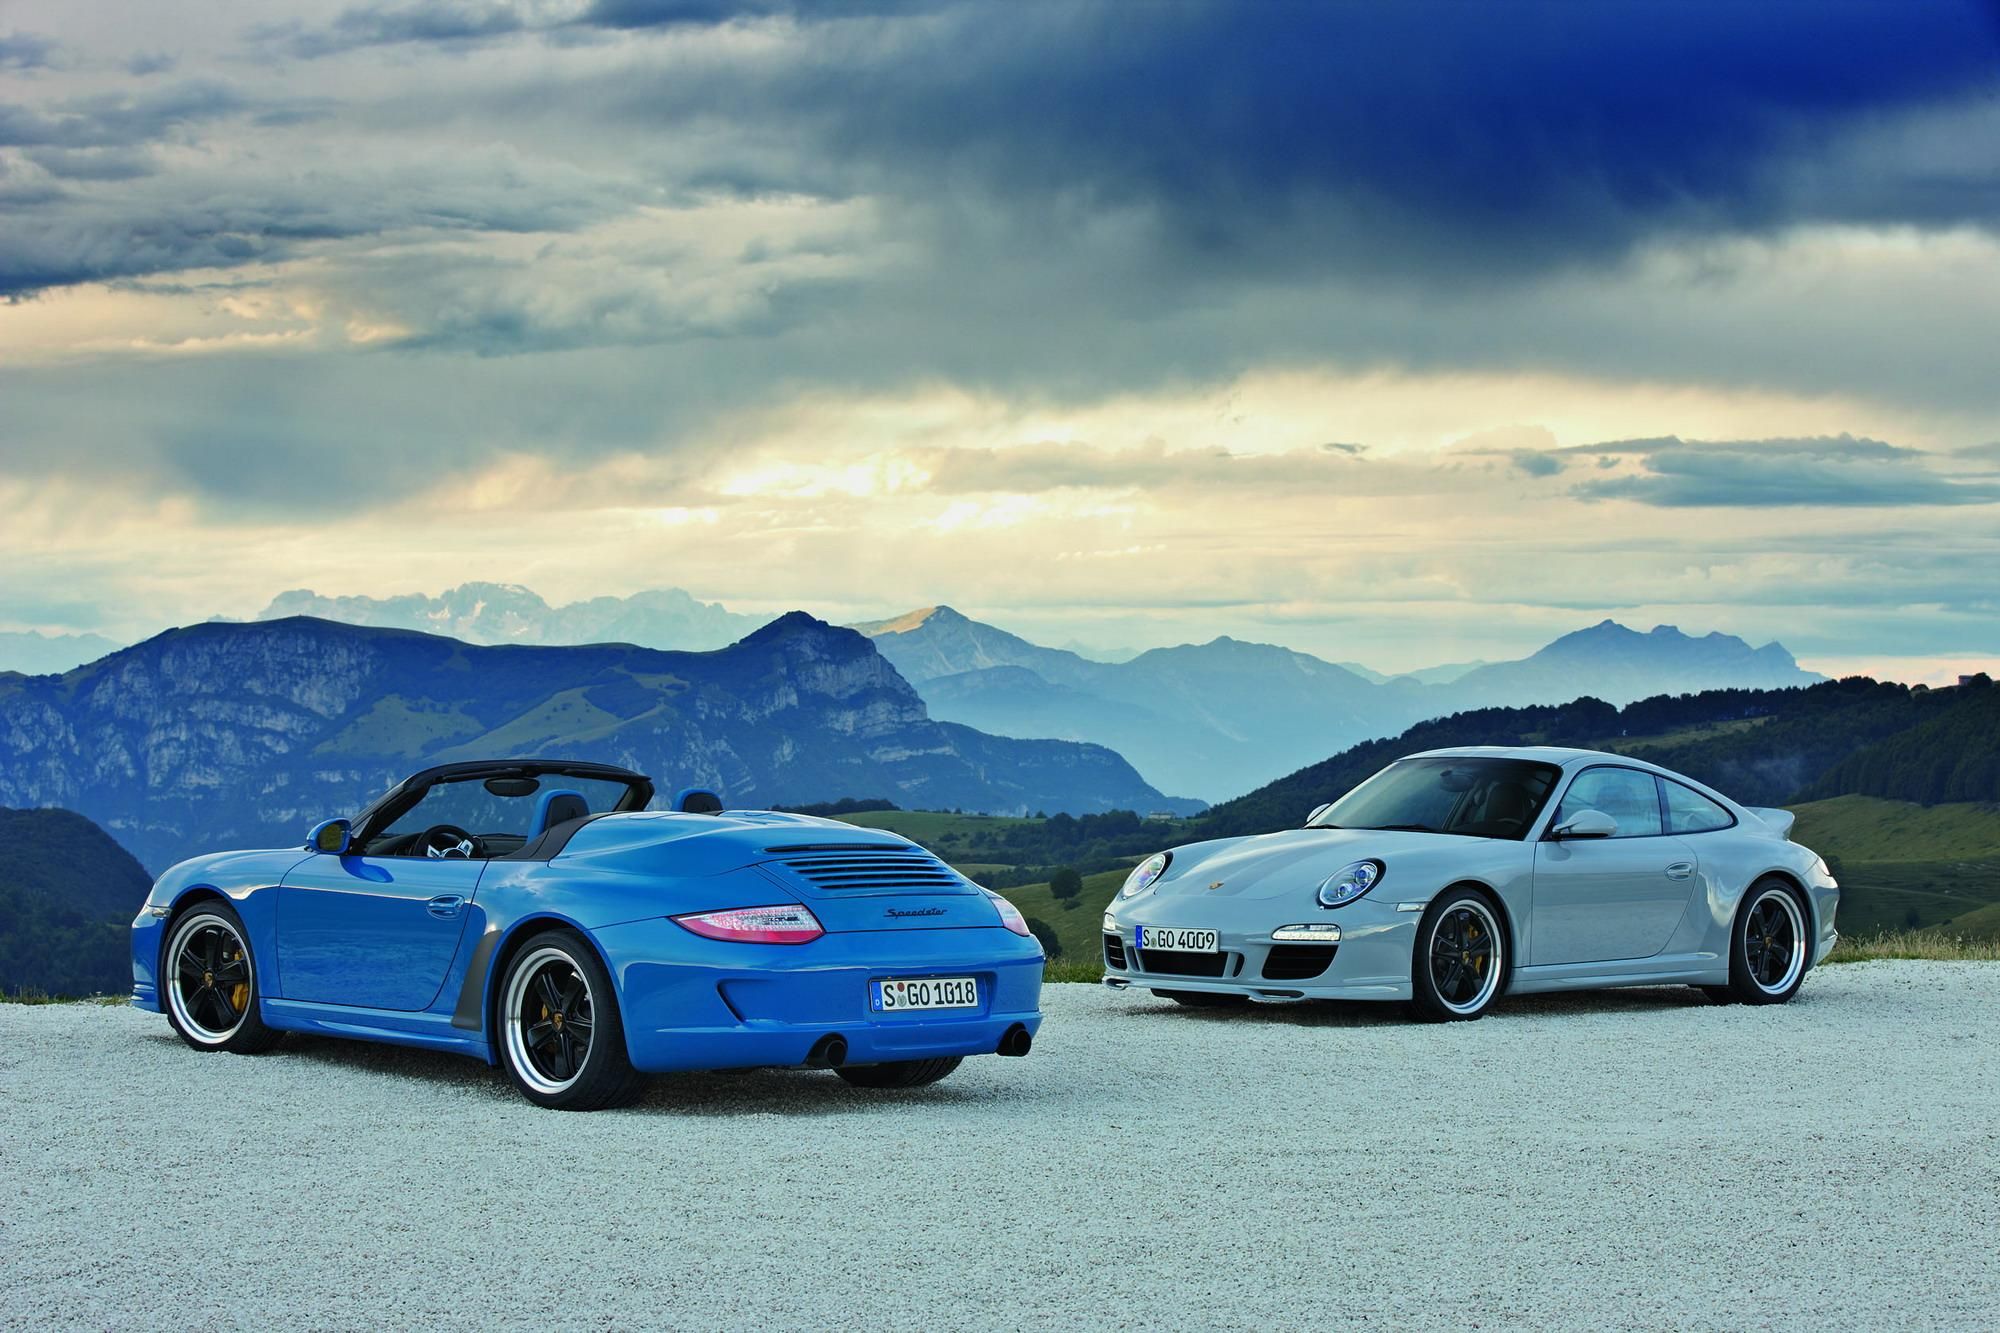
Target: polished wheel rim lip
1465,956
1774,941
210,978
549,1055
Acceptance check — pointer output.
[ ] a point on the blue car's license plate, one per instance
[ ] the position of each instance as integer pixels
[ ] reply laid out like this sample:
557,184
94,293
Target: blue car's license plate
1177,941
895,996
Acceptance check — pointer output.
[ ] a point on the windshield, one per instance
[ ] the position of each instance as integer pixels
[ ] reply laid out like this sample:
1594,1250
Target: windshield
1476,798
498,821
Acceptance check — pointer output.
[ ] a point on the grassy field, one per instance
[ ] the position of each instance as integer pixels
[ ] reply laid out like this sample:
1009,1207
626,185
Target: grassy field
1932,945
1907,867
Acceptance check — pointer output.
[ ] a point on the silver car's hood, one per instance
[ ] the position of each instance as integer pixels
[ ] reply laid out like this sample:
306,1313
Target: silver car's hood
1270,864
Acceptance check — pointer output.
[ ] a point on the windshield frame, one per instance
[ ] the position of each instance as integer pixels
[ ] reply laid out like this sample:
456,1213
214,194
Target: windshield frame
392,804
1549,774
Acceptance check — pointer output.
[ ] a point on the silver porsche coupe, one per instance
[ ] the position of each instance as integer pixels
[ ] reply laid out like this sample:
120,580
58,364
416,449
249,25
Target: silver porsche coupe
1453,877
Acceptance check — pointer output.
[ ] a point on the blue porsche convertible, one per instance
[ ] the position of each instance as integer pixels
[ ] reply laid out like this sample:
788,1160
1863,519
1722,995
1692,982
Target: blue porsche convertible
537,915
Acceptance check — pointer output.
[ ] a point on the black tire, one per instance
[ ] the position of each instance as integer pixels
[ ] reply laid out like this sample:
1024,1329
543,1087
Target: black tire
1202,999
553,987
1770,946
1459,964
899,1073
208,982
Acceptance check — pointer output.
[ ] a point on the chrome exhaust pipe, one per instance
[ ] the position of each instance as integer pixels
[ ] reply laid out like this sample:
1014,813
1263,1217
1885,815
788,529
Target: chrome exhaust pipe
1016,1041
829,1052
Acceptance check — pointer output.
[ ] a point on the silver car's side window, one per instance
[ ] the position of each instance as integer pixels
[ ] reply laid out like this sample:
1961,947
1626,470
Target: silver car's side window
1626,794
1688,811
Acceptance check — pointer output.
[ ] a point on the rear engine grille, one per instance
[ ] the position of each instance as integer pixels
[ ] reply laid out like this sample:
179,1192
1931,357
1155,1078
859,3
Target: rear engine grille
1114,952
1183,964
1298,962
872,870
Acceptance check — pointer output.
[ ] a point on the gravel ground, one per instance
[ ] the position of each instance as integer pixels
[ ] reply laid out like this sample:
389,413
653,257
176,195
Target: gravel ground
1635,1159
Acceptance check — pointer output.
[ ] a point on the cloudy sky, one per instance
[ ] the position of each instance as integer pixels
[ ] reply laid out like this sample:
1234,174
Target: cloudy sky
1400,333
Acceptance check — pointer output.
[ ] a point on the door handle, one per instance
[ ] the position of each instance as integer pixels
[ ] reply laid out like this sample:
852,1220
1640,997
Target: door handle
1680,870
445,906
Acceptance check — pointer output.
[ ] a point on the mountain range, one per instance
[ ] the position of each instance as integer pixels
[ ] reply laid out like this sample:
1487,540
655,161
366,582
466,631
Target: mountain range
221,735
1223,717
492,613
1207,720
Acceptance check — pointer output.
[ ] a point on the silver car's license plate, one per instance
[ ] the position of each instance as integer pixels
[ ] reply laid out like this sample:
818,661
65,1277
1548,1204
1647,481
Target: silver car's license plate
895,996
1178,941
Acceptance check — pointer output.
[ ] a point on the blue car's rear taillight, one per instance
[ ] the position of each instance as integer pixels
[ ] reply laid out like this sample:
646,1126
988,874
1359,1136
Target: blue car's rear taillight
787,923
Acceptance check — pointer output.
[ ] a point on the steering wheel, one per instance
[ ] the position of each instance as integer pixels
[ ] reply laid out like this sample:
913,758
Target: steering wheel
445,842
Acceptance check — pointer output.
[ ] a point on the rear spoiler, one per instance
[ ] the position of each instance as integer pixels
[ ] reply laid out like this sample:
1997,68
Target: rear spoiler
1780,820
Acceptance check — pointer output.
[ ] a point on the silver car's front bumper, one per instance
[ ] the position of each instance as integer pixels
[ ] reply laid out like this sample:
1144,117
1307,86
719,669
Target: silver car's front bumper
1371,962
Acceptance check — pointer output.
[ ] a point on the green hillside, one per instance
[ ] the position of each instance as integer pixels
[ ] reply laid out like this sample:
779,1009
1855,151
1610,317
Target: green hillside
68,894
1906,866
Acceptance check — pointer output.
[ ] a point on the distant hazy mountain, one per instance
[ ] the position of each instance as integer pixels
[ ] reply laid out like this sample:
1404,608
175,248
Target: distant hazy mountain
507,613
1442,675
233,735
1619,665
938,641
1218,717
68,894
33,653
1223,717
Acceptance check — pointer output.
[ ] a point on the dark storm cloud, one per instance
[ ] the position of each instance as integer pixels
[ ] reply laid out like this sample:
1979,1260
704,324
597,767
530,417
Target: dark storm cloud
57,239
24,50
1536,463
92,164
437,22
119,120
1368,137
1839,471
459,23
1404,138
708,13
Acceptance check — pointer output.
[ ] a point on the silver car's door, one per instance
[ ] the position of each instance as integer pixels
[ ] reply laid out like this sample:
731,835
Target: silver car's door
1603,899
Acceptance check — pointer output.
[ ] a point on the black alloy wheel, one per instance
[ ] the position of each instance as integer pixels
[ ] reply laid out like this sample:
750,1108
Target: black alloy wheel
208,982
561,1038
1460,957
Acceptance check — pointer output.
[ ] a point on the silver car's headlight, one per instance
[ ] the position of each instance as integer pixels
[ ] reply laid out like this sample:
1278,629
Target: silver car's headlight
1145,874
1349,882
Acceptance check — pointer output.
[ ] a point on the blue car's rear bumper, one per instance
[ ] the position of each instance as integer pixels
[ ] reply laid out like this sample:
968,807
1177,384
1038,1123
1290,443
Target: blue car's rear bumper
694,1003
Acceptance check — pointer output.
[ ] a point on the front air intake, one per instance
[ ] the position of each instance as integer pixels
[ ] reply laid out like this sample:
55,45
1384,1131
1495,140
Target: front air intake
865,869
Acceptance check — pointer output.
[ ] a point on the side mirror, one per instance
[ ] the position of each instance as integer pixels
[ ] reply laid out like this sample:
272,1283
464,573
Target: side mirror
1586,824
1318,810
331,837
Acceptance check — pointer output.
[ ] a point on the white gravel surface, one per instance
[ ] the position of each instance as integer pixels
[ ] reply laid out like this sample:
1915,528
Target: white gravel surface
1634,1159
